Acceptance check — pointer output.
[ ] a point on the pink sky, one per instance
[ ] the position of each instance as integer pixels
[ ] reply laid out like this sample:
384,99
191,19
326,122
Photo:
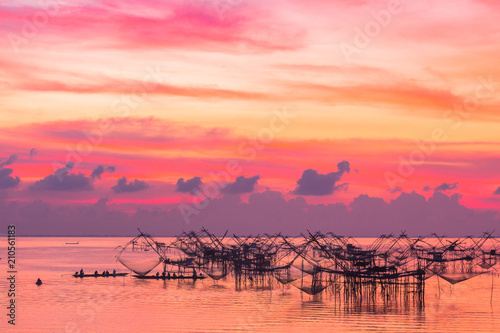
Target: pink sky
406,92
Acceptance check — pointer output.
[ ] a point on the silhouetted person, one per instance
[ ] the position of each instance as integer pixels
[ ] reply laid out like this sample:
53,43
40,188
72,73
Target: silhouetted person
114,271
81,272
157,274
103,273
107,273
174,275
163,274
96,273
168,275
38,282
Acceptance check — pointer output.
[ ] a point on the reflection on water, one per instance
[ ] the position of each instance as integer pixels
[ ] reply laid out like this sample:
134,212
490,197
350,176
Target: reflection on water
67,304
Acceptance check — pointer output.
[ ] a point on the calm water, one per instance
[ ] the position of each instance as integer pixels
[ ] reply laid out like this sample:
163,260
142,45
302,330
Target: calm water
67,304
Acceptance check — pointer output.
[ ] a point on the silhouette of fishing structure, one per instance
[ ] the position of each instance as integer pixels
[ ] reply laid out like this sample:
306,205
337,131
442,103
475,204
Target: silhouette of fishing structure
391,268
143,253
457,260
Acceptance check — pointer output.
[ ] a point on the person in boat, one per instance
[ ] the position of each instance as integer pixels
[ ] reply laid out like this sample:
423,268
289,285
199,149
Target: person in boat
168,275
157,274
38,282
174,275
81,272
76,273
163,274
103,273
96,273
114,271
107,273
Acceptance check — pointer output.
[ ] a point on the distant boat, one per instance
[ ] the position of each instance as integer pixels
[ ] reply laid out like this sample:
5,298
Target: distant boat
72,243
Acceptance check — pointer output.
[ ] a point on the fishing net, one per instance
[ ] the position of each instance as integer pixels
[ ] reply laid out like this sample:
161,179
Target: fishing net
140,262
285,276
305,266
489,259
455,278
486,265
312,284
215,272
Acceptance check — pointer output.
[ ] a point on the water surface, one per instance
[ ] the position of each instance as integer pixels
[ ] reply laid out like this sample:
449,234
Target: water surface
67,304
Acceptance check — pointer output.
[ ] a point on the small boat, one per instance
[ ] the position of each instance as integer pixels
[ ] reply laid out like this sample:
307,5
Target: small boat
161,277
99,275
67,243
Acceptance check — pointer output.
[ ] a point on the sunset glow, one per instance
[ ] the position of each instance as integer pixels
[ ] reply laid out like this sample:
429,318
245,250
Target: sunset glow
406,92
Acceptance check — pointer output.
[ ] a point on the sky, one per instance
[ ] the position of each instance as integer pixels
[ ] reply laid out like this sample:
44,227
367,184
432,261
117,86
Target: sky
357,117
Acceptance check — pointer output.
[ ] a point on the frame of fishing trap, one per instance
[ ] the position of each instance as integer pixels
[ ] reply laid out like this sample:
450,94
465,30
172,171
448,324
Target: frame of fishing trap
390,270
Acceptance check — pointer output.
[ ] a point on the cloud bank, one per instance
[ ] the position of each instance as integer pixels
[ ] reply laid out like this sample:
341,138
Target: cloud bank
266,212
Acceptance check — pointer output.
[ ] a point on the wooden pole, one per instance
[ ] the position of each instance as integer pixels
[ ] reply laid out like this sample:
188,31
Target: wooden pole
491,297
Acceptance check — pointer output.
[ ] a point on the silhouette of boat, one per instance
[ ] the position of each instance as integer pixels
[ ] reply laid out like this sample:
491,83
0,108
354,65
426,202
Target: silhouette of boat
99,275
161,277
67,243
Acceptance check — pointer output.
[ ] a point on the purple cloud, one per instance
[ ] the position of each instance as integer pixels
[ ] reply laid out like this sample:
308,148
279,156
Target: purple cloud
314,183
97,172
446,187
64,180
266,212
341,187
134,186
12,158
497,191
65,169
396,189
33,152
6,181
426,188
189,186
242,184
